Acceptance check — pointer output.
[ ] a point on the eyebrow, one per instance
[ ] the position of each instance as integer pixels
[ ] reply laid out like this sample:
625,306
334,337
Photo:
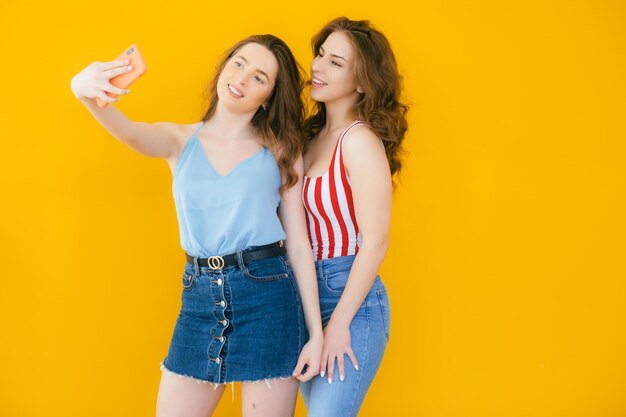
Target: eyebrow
334,55
246,61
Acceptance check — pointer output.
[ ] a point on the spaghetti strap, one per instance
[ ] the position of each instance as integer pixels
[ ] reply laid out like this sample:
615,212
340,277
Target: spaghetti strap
199,127
343,134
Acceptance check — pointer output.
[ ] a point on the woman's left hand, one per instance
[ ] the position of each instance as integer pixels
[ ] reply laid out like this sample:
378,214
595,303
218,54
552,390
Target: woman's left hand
336,342
309,356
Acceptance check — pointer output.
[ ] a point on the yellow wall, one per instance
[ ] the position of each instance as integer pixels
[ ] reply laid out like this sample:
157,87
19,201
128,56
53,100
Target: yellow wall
506,269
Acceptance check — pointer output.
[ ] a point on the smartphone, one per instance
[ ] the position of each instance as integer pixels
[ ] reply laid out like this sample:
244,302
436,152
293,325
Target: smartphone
133,54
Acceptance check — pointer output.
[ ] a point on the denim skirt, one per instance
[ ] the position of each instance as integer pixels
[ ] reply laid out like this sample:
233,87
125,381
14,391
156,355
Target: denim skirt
243,323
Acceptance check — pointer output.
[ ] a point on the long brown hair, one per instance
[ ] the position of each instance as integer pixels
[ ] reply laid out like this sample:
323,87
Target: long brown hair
377,74
280,126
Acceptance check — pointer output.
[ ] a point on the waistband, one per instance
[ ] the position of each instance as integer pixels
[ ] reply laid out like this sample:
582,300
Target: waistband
218,263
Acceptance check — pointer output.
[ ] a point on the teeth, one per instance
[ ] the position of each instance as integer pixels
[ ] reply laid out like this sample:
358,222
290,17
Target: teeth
318,82
234,91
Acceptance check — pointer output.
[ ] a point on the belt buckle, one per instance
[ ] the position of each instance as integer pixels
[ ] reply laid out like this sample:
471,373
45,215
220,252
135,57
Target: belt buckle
216,263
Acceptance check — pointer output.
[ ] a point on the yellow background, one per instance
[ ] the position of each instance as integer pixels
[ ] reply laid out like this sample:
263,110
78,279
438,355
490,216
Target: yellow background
506,269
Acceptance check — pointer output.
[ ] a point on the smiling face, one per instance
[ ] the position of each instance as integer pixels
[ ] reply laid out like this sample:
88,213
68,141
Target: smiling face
247,79
332,70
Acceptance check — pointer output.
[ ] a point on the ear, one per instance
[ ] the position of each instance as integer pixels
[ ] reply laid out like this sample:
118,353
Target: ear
359,90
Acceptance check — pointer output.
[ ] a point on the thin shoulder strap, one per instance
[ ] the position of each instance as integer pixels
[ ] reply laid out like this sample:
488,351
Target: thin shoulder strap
355,123
199,127
346,130
339,146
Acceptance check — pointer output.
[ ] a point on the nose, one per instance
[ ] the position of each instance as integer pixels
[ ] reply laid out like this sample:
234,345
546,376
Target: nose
316,65
240,79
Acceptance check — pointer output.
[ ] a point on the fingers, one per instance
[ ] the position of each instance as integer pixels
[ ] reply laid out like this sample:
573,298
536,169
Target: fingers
110,73
310,373
106,98
115,90
297,372
329,365
342,374
331,368
114,64
355,363
323,364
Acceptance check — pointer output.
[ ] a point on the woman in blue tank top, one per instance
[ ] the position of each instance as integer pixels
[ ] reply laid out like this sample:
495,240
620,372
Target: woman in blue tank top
237,177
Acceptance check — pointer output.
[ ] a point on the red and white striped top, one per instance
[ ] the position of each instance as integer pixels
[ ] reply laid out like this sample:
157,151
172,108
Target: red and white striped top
331,222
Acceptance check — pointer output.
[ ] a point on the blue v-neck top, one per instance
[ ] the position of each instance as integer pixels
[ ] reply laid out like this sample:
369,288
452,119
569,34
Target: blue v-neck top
218,215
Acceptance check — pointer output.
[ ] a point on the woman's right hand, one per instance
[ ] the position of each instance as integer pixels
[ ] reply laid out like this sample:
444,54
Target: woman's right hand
93,81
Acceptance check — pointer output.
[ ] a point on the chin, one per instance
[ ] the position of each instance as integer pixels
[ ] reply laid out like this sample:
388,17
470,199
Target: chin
316,96
236,106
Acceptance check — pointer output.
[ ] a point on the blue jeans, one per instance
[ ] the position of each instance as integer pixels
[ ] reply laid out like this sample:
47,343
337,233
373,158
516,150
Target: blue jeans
369,332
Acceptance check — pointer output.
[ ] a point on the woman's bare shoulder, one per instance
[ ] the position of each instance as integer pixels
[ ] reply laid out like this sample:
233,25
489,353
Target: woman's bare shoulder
362,138
180,132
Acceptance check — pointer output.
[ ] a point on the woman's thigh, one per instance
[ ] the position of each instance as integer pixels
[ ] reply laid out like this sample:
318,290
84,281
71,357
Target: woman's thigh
271,398
179,396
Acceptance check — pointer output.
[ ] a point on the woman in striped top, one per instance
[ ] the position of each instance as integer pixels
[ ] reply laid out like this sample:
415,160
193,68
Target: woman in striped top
356,134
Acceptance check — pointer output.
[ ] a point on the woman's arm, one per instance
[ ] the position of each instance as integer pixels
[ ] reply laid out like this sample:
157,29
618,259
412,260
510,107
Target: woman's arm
370,178
293,219
156,140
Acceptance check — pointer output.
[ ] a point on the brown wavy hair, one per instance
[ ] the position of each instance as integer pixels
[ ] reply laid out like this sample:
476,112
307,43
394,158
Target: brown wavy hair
377,74
281,125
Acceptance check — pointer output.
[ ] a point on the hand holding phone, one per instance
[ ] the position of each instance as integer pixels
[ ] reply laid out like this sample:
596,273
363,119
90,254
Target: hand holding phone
138,64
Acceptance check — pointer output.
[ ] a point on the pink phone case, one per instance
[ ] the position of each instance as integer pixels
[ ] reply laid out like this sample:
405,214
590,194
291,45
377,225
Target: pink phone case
133,54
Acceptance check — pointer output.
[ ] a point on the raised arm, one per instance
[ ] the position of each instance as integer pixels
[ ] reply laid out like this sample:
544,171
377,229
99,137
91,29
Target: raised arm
155,140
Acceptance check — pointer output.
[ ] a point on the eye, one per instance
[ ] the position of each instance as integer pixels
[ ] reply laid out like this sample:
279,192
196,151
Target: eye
239,64
259,79
335,63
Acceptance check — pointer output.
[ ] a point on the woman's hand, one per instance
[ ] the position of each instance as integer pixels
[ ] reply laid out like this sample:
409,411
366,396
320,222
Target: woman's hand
310,356
336,343
93,81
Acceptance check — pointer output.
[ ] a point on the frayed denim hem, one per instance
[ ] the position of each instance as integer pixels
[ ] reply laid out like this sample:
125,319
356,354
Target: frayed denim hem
215,385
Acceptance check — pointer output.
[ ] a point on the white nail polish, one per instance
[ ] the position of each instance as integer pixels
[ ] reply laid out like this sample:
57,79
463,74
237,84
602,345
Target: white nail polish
322,374
330,380
341,378
356,367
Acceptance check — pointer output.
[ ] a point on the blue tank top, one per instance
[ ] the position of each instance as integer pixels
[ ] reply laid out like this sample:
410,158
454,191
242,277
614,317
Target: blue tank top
218,215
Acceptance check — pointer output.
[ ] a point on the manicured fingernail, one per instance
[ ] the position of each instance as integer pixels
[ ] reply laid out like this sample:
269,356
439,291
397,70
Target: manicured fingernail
330,380
130,67
341,378
356,367
322,374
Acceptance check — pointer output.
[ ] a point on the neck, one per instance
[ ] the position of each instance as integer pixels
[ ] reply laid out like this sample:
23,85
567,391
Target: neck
230,125
339,113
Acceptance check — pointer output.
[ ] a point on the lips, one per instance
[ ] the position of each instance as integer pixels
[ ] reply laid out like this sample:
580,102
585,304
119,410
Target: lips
316,82
234,91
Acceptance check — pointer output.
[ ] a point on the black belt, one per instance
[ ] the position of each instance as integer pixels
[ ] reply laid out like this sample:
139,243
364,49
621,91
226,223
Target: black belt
260,252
